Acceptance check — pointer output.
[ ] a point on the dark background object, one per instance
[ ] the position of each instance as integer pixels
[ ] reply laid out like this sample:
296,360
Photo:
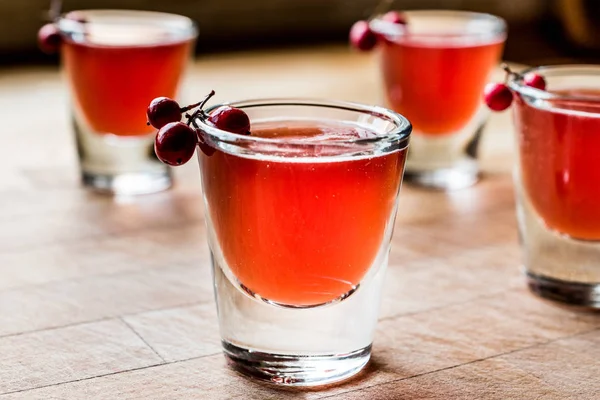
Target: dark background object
540,31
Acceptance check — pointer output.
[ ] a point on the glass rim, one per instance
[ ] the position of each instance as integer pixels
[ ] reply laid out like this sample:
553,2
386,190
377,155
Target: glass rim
400,133
379,25
517,84
69,26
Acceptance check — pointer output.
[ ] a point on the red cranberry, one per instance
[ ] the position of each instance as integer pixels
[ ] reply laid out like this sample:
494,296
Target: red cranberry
230,119
535,81
163,110
175,143
497,96
362,37
49,39
205,147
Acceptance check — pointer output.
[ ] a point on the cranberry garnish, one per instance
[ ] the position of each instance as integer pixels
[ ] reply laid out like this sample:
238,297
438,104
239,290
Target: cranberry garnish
497,96
163,110
49,39
230,119
175,143
394,17
362,37
535,81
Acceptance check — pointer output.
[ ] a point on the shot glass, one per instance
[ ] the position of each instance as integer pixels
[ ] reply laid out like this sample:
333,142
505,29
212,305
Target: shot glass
557,182
299,216
433,71
115,62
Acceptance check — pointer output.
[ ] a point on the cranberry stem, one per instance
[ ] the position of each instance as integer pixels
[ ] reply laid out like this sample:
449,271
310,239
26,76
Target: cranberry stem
200,103
382,6
192,121
192,118
54,10
509,72
199,112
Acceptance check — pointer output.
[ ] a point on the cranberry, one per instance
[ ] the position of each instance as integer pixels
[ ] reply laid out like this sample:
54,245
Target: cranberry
163,110
394,17
497,96
205,147
230,119
49,39
362,37
535,81
175,143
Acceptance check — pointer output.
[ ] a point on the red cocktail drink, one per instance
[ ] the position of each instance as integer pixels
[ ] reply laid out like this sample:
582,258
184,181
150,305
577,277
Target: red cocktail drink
560,164
299,215
115,63
558,181
433,70
301,232
113,84
437,84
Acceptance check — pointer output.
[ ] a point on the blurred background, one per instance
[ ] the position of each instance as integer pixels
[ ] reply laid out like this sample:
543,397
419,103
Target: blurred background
540,31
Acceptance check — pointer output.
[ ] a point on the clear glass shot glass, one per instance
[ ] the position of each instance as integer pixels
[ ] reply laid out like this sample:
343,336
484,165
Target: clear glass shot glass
557,182
115,62
433,71
299,217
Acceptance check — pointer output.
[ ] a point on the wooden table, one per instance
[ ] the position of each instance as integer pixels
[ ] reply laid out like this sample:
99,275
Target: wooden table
104,298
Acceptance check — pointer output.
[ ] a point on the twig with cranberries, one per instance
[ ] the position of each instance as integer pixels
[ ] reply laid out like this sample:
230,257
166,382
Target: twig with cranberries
499,97
176,141
49,37
362,36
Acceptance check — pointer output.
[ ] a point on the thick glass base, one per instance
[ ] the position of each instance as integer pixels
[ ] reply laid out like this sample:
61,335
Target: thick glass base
445,162
119,165
557,267
128,184
296,370
571,293
297,346
458,177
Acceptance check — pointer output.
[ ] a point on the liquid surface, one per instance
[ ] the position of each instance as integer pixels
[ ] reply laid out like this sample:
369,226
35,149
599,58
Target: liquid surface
113,85
301,233
560,162
437,85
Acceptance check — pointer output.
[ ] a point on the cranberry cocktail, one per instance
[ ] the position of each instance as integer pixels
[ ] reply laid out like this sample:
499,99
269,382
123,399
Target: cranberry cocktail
300,203
434,65
301,233
557,121
115,62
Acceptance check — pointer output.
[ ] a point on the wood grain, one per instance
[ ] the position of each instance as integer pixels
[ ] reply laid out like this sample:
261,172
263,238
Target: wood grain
185,332
45,358
104,298
103,255
488,379
438,282
74,301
